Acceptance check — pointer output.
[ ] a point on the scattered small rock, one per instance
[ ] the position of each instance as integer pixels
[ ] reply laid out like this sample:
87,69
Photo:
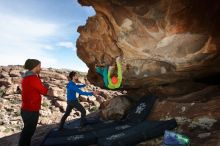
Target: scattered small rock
203,122
204,135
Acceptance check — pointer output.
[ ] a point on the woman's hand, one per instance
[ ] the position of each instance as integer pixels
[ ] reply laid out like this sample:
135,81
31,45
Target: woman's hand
118,59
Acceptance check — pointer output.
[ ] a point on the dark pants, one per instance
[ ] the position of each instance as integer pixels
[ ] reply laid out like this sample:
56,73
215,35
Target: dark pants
30,120
70,106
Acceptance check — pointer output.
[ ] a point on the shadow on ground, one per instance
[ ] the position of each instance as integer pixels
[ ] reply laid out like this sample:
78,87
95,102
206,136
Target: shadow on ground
38,137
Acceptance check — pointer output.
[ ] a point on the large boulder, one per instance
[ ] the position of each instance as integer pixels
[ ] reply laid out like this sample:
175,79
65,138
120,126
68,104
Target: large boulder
116,108
169,48
57,92
160,42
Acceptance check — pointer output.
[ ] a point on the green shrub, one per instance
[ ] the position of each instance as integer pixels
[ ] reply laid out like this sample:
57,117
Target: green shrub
93,109
15,101
7,130
45,104
2,92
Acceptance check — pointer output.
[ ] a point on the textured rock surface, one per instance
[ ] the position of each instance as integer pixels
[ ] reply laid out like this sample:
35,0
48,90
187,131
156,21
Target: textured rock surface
169,48
116,109
155,38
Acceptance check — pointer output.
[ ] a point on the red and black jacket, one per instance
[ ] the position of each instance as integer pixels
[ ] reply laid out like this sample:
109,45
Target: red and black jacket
32,88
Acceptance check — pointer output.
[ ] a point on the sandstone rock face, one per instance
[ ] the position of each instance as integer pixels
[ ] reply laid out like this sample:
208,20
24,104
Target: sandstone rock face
154,38
169,48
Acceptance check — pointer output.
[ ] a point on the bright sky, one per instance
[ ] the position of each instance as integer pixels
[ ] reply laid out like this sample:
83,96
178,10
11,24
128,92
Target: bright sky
41,29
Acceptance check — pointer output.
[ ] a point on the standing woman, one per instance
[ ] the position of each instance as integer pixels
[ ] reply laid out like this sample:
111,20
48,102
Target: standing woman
72,101
32,88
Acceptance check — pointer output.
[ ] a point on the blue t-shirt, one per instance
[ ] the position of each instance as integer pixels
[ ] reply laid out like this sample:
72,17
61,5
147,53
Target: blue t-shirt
72,89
